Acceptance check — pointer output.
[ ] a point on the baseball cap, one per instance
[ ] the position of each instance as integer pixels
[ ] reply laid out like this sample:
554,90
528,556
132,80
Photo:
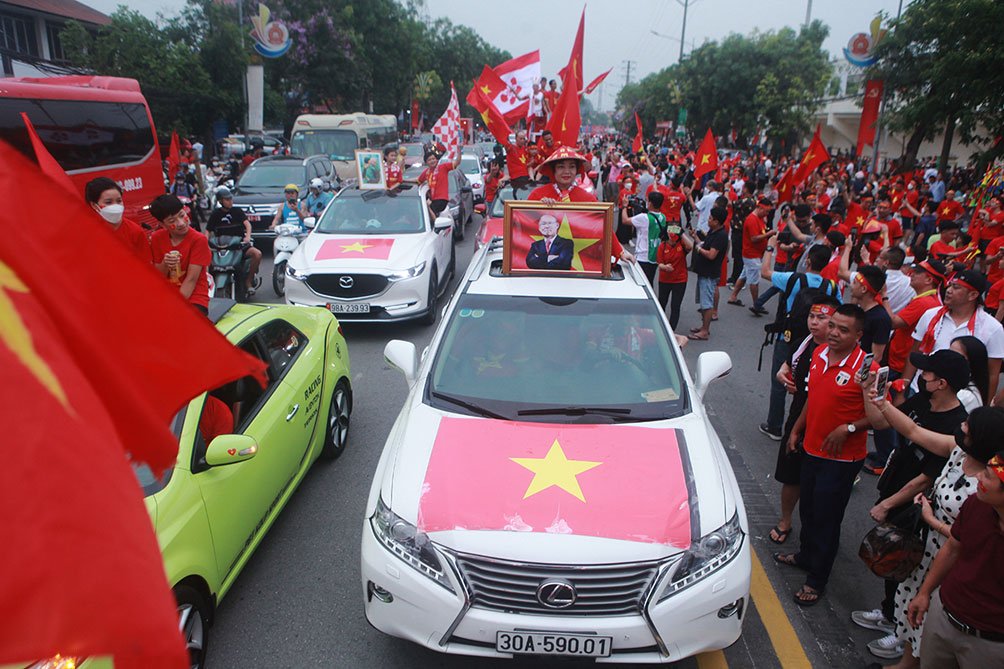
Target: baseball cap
945,364
973,279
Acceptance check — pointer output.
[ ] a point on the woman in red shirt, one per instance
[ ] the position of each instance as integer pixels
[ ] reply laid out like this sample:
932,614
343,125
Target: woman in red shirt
672,258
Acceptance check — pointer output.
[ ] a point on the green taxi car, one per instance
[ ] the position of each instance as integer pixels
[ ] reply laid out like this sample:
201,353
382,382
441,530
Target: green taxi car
243,450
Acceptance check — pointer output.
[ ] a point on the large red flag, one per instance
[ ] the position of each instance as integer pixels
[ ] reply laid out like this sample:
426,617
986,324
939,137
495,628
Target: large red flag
639,139
617,481
571,75
785,190
519,75
490,115
869,114
814,156
566,120
173,156
490,85
92,376
597,81
707,156
46,162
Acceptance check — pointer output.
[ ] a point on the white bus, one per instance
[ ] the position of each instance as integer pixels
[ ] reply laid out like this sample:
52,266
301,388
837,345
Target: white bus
339,135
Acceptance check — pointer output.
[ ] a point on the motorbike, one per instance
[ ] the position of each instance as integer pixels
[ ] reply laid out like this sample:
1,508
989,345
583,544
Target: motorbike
287,238
229,267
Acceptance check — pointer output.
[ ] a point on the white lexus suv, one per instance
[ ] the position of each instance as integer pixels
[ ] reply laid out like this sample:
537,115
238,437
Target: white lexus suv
553,485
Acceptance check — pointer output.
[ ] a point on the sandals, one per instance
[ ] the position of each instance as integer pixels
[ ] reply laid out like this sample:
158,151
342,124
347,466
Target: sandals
693,336
777,535
737,302
788,560
807,596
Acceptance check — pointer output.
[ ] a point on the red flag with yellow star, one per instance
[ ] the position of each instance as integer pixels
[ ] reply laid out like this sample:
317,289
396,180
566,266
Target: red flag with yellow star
814,156
571,74
362,247
489,83
566,120
639,139
785,191
97,354
490,115
707,156
617,481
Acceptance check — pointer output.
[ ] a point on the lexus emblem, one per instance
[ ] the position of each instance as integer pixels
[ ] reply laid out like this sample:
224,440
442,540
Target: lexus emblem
556,594
346,281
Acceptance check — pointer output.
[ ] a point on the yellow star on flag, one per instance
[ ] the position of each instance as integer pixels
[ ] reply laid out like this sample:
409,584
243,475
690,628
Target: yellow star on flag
486,90
357,247
554,469
860,221
807,158
705,159
16,336
565,230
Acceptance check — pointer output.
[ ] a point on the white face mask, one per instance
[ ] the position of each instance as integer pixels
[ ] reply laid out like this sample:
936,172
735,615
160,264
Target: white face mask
112,213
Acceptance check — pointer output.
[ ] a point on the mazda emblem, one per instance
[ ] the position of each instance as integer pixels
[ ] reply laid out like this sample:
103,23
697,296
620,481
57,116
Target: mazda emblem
556,594
346,281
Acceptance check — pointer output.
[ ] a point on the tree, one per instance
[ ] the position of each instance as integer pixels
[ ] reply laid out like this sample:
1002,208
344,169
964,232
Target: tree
943,67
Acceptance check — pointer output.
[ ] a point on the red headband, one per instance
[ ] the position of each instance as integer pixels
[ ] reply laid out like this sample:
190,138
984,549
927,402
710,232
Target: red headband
997,465
963,283
867,286
927,267
822,309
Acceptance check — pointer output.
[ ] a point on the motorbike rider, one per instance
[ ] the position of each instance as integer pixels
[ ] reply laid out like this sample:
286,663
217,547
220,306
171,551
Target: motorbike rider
317,199
289,211
180,187
229,220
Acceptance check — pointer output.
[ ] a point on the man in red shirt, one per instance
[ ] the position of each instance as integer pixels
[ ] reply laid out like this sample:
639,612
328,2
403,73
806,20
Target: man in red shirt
179,252
437,174
755,239
551,97
949,209
927,278
517,160
545,146
945,249
105,197
835,429
883,213
493,181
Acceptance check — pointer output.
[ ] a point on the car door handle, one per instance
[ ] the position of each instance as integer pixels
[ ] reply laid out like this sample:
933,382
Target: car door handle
292,412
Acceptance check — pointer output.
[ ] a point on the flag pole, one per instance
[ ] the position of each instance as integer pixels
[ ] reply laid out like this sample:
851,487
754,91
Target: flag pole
878,121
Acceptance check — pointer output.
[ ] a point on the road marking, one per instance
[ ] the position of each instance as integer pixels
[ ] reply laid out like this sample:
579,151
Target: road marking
787,647
713,660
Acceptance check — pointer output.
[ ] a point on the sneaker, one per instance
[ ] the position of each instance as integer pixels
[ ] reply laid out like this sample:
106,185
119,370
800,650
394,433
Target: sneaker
872,620
765,429
888,647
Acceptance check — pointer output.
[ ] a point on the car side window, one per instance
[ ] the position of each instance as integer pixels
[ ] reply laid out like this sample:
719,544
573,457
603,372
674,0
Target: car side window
282,343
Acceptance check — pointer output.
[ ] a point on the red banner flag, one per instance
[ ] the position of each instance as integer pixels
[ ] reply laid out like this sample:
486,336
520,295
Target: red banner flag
490,115
619,482
490,85
571,74
707,156
93,376
46,162
785,190
364,247
565,120
869,114
639,139
597,81
814,156
173,156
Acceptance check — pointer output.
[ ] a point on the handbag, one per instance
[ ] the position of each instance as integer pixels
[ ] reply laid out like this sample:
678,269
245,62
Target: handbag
894,549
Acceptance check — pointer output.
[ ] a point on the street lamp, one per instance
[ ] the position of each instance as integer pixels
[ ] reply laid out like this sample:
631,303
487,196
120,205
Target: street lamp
675,39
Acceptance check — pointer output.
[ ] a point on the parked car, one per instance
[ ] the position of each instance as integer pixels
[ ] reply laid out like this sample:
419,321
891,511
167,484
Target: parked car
471,166
259,191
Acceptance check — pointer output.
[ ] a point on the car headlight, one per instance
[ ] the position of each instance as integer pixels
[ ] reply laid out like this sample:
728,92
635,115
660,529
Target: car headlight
405,541
407,273
57,662
294,273
711,553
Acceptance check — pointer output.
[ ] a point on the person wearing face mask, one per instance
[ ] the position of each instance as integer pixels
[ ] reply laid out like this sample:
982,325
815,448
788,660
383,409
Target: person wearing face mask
179,252
105,197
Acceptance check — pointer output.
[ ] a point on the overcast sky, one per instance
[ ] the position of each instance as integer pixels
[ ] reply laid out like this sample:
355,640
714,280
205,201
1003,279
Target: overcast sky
618,31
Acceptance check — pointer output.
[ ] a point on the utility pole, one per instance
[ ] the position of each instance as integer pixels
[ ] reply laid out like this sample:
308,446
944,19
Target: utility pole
808,13
878,121
627,74
683,31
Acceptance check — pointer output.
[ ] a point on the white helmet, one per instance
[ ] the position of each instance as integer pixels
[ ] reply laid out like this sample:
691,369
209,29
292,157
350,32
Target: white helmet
316,183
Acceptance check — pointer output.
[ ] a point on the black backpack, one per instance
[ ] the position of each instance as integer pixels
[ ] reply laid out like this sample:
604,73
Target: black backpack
791,324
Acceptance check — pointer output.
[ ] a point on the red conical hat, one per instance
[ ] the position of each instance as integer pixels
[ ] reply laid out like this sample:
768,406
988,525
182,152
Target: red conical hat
562,153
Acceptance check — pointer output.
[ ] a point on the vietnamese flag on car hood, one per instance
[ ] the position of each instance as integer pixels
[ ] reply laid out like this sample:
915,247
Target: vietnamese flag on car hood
618,482
363,247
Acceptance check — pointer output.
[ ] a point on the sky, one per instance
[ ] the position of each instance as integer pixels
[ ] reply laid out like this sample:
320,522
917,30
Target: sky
618,31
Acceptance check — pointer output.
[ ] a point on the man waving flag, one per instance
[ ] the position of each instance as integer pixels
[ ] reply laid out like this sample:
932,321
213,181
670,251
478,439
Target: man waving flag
447,128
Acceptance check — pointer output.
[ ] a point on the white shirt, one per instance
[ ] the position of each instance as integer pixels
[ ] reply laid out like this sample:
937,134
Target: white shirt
737,185
640,223
704,206
537,104
769,165
987,329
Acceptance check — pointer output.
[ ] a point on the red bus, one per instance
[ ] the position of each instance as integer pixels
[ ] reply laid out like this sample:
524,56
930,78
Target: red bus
92,126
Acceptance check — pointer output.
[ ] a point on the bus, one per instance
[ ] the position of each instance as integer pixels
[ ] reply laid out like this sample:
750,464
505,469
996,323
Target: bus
93,126
337,136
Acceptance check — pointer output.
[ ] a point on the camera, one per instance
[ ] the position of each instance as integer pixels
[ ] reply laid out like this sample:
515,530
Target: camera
636,205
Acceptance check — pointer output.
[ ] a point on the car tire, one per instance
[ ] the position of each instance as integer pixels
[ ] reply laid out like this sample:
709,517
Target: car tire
279,278
432,303
336,435
193,620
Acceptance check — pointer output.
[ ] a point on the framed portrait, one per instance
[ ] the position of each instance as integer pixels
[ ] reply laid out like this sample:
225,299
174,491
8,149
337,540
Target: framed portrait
566,238
370,169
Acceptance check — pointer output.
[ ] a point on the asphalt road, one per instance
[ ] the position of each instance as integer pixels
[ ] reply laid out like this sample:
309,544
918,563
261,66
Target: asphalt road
299,602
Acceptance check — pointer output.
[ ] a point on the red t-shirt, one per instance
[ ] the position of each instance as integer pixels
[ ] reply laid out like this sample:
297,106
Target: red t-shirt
832,269
672,201
973,589
516,161
993,299
753,226
491,187
939,249
135,239
834,400
216,419
949,210
393,175
911,197
552,99
902,338
895,229
675,255
194,249
439,181
994,272
628,188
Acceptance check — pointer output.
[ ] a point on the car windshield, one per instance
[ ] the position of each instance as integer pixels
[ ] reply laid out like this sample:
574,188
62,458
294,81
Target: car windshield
335,144
373,213
470,165
504,195
271,176
557,360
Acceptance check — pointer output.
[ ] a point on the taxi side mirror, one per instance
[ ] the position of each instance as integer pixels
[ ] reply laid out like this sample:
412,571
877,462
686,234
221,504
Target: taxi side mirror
310,222
442,223
227,449
711,366
403,356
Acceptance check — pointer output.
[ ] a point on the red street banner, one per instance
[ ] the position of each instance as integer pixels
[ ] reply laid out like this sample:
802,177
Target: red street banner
869,114
364,247
639,139
618,482
707,156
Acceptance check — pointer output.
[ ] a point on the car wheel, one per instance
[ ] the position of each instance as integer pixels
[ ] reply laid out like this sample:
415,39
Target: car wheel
279,278
193,621
336,438
431,303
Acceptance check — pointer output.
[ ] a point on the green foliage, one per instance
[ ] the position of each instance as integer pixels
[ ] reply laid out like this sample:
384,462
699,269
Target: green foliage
742,82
